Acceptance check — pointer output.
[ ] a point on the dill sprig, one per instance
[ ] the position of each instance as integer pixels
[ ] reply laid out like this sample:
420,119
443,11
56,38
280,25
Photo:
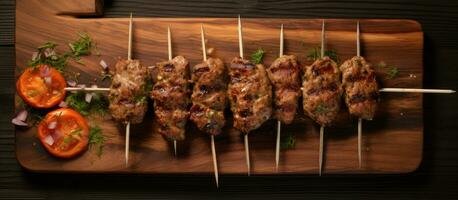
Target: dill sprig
315,54
390,70
46,55
81,47
257,56
97,139
77,101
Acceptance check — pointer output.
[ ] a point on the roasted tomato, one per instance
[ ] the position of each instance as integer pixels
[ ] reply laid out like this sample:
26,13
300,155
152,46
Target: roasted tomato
41,86
64,133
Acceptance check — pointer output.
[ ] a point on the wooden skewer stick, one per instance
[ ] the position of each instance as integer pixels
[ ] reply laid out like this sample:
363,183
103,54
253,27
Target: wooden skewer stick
414,90
87,89
202,35
277,149
320,159
247,147
127,143
169,47
129,57
215,162
360,120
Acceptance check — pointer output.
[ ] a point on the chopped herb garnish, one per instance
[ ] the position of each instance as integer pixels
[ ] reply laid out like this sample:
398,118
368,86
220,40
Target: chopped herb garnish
257,56
68,139
76,132
82,46
98,104
97,139
390,71
288,142
315,54
46,55
322,108
140,99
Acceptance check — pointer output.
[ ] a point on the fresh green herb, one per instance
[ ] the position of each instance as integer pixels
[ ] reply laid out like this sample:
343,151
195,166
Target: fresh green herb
322,108
98,104
257,56
97,139
82,46
315,54
140,99
46,55
68,139
288,142
76,132
390,71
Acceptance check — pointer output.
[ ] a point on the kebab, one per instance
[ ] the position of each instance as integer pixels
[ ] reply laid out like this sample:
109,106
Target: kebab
321,91
249,93
361,89
209,98
284,74
170,95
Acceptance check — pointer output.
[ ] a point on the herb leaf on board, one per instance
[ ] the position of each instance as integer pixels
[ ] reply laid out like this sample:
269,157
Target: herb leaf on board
258,56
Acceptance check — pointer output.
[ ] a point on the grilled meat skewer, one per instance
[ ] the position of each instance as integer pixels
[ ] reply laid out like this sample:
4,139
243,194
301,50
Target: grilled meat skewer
170,95
128,98
209,96
360,86
284,74
250,94
322,91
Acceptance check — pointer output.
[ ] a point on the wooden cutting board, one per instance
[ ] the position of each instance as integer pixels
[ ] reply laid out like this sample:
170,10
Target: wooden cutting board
392,142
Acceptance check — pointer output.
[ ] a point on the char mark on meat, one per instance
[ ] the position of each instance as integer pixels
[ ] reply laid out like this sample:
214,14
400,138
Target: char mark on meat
322,91
170,95
284,74
250,94
128,91
209,96
360,86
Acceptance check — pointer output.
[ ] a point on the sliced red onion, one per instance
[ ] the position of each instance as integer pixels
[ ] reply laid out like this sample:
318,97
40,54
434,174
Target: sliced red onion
103,64
48,80
34,55
52,125
20,118
49,52
22,115
49,140
88,97
63,104
81,86
71,83
18,122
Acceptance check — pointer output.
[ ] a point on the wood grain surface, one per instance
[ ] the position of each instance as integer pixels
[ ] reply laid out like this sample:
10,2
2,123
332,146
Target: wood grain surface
435,178
392,141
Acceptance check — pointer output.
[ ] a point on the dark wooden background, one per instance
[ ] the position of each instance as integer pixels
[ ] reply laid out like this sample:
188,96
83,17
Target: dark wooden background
436,178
